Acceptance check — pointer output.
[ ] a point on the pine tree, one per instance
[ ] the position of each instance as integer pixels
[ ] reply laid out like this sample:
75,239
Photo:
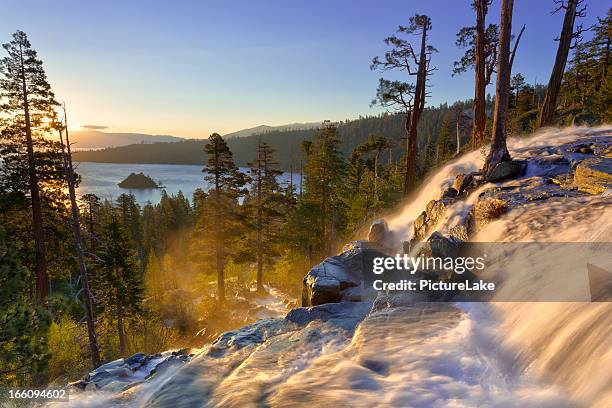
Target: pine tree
587,84
227,185
23,325
266,200
129,210
323,180
482,44
444,145
29,100
119,285
409,98
375,145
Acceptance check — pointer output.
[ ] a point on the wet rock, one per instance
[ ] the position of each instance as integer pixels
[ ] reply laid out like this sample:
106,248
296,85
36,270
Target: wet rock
91,387
507,170
79,385
584,148
460,232
450,193
426,222
489,209
252,334
462,182
121,374
379,231
343,314
331,280
443,247
594,176
171,361
136,361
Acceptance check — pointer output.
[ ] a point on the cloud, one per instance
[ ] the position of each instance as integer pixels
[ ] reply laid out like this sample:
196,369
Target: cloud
93,127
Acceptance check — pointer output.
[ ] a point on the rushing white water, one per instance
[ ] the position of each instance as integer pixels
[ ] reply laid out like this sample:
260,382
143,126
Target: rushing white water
433,355
568,343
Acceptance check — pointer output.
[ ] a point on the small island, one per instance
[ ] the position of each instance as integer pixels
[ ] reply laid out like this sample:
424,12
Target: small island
139,181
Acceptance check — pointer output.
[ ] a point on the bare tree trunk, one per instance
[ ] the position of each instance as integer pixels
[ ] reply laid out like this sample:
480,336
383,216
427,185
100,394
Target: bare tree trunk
218,244
301,175
76,229
42,282
120,328
376,174
458,133
546,116
516,43
419,103
479,107
499,151
259,224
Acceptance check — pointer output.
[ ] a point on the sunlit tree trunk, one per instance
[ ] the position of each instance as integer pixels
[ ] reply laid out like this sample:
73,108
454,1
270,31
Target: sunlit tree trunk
42,282
479,107
499,151
76,228
419,103
546,116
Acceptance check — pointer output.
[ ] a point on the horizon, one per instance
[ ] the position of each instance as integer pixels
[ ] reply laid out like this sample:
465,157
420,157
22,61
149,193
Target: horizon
177,70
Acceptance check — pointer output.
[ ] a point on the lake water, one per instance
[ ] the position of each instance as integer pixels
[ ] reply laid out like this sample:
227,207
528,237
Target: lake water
101,179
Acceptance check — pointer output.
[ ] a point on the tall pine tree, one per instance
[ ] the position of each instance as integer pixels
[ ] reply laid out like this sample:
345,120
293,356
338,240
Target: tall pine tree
266,201
29,101
119,282
227,186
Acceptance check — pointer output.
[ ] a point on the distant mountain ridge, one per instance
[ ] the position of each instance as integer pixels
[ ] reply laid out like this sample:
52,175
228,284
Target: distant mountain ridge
262,129
94,139
286,143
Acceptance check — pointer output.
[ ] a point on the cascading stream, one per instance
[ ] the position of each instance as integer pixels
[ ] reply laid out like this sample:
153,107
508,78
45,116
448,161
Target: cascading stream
434,355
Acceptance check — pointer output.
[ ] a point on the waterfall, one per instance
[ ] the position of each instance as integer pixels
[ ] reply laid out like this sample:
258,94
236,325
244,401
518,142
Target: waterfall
434,355
569,343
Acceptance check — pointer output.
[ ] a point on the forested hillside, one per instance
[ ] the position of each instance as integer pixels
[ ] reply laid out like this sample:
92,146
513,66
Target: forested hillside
287,143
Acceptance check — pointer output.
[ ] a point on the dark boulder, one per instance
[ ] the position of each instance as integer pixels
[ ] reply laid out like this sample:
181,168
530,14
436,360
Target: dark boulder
507,170
379,231
463,182
340,277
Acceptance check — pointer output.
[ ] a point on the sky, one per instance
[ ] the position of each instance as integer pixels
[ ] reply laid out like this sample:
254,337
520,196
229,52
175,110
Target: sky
190,68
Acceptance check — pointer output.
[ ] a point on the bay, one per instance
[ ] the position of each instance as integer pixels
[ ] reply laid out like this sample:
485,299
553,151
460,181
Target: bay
101,179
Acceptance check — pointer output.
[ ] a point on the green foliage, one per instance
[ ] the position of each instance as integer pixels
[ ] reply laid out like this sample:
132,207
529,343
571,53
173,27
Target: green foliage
219,223
23,326
69,350
586,91
321,203
446,145
118,285
264,206
466,39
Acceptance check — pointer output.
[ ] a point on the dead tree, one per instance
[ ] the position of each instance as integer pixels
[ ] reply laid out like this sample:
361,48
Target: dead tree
480,116
481,43
572,9
406,97
76,229
460,117
499,150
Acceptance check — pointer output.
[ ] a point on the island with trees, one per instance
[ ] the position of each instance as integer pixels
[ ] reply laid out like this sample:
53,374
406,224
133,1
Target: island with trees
139,181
